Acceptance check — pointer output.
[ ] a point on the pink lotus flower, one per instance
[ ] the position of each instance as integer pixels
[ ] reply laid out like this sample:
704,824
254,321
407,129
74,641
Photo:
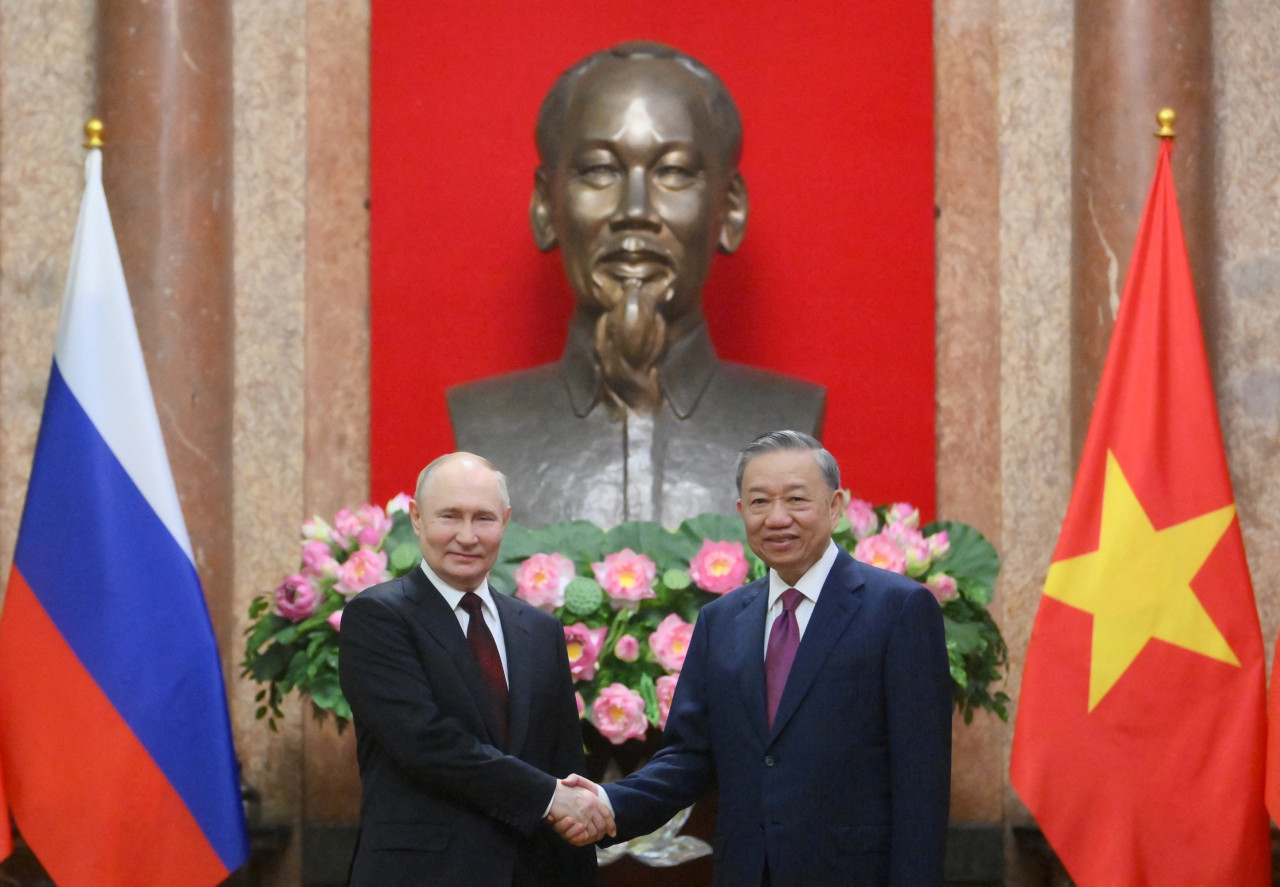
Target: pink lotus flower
666,687
881,551
335,619
584,649
618,713
582,703
316,528
317,559
626,577
542,578
296,598
943,586
902,513
670,642
863,520
358,572
367,526
627,648
399,503
939,545
719,566
914,547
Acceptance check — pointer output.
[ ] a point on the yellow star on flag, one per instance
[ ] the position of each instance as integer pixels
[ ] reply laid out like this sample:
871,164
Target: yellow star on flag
1137,584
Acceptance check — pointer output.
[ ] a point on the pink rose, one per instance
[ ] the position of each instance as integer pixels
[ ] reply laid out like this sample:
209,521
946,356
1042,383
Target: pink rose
863,520
719,566
626,577
618,713
881,551
542,578
670,642
335,619
317,559
358,572
943,586
627,648
666,687
902,513
399,504
584,646
296,598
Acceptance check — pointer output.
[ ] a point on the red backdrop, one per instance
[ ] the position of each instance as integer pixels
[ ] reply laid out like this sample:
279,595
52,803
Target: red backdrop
833,283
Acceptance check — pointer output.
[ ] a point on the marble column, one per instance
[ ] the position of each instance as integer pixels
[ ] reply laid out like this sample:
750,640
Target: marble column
1131,60
165,100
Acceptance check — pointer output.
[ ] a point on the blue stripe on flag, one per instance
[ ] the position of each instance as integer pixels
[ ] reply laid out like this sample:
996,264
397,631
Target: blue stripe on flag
128,601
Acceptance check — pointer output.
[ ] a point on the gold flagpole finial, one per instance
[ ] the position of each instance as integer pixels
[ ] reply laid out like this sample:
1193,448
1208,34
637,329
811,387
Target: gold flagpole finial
93,133
1166,119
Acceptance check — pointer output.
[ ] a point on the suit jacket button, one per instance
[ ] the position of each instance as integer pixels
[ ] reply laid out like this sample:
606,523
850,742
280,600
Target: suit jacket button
768,760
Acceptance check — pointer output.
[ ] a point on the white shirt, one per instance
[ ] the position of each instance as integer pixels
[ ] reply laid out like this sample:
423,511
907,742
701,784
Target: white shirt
810,586
453,597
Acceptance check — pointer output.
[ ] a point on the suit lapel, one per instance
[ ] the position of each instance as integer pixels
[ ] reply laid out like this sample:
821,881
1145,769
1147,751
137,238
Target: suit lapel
748,654
517,638
831,616
434,614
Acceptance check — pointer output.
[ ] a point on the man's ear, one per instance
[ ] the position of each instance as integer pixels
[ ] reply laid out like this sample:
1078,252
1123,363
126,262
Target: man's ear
734,225
544,232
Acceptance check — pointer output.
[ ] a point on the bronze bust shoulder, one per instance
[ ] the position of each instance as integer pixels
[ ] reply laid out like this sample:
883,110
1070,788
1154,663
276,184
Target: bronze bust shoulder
639,420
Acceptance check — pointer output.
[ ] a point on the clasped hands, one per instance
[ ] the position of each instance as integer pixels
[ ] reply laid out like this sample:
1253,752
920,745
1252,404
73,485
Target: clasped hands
578,813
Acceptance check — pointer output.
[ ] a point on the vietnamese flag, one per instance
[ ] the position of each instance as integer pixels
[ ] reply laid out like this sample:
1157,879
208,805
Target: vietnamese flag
1140,737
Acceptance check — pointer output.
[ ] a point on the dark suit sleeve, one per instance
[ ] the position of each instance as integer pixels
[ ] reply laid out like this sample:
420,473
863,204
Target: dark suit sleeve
682,770
919,726
385,679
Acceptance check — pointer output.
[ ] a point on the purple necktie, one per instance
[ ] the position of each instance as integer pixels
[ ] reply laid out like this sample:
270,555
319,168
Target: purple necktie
784,638
486,652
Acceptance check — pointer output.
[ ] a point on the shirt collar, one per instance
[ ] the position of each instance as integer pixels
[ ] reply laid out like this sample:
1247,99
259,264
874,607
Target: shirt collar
810,584
453,596
685,370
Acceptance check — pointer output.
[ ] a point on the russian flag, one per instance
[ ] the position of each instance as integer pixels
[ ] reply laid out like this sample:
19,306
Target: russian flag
114,738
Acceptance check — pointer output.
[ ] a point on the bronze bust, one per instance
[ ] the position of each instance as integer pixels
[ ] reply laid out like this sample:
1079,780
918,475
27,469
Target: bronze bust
639,420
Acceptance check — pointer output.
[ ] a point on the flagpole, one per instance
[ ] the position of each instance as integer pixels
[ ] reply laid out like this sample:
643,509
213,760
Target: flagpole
1166,118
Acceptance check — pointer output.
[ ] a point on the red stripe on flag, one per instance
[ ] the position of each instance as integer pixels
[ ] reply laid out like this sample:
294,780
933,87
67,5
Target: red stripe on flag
86,795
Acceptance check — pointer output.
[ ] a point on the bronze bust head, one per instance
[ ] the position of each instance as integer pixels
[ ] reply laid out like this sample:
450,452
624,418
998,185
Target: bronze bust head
638,185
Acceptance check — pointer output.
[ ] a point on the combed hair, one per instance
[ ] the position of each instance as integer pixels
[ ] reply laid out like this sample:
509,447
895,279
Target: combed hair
776,441
424,478
720,104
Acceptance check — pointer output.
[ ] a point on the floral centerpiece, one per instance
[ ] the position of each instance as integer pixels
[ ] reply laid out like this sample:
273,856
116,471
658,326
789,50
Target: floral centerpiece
628,598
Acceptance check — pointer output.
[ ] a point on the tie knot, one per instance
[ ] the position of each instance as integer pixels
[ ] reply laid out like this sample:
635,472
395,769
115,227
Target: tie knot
471,603
791,599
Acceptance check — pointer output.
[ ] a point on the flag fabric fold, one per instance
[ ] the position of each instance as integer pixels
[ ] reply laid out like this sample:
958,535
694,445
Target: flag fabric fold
115,742
1140,735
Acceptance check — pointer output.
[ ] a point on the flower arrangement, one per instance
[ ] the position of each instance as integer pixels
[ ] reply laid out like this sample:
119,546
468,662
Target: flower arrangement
628,598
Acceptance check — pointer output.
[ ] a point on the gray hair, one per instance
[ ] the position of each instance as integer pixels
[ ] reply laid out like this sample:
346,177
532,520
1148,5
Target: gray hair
428,473
727,122
776,441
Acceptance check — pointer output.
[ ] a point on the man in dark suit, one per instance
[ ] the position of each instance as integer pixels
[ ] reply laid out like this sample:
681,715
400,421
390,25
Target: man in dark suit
464,709
833,769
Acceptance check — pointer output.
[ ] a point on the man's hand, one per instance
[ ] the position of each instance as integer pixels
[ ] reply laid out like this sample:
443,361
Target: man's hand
578,814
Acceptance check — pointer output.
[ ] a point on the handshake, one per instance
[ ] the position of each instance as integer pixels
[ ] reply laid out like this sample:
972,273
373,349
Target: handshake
579,813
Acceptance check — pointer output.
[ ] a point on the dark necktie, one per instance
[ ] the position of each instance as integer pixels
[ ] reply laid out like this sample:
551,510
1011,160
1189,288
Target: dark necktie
486,652
784,638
